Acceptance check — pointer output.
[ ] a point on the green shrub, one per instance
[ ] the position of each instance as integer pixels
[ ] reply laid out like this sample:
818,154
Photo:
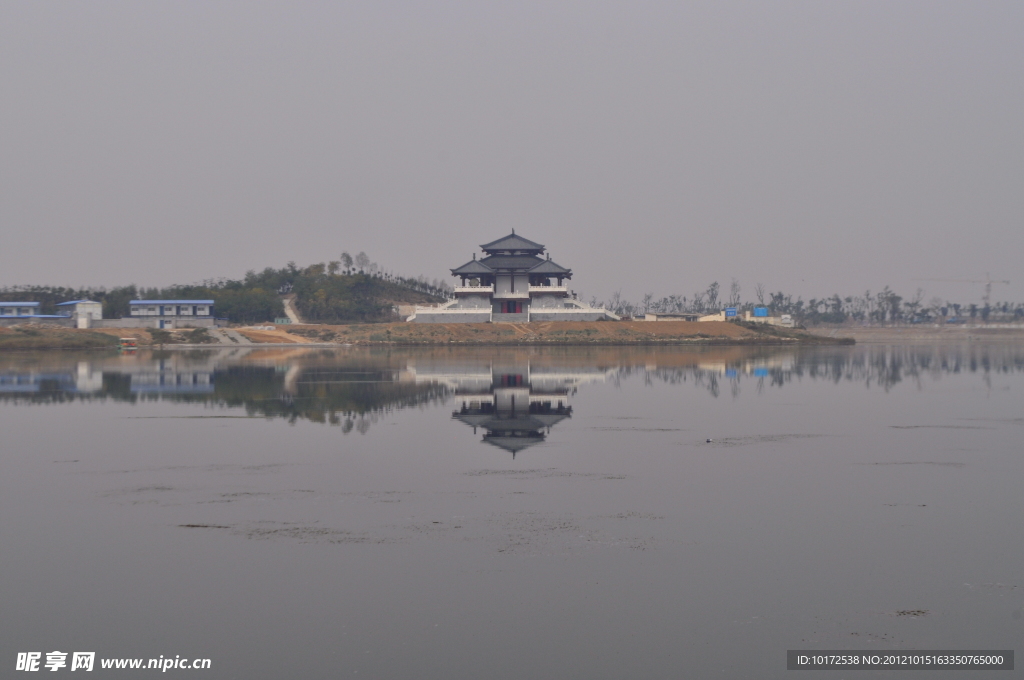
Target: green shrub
200,336
160,336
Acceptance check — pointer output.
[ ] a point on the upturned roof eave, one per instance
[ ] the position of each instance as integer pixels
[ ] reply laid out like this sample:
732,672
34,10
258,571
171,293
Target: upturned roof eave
472,267
513,242
552,268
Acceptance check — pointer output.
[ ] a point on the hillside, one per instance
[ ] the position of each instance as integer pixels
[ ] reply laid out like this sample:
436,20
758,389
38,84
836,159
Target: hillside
341,298
323,294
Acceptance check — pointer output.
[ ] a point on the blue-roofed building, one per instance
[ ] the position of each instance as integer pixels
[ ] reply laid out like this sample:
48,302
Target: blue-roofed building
514,282
19,309
16,313
172,313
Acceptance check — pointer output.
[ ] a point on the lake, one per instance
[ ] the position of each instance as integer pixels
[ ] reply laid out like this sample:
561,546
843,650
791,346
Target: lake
588,512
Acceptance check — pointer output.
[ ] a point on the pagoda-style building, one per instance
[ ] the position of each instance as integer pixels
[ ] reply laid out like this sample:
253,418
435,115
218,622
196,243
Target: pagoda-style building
514,400
513,414
513,282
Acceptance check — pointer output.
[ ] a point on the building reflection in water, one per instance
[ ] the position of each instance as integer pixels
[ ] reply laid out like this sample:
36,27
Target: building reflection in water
515,403
80,378
516,397
167,375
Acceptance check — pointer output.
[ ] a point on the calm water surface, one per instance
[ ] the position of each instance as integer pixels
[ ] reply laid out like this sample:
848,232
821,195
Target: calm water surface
503,513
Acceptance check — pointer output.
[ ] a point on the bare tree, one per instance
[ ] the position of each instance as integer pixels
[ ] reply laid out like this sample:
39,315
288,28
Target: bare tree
362,261
712,294
734,293
759,292
615,301
914,303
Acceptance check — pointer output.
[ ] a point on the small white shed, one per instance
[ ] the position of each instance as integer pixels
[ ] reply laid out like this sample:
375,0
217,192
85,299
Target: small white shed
84,312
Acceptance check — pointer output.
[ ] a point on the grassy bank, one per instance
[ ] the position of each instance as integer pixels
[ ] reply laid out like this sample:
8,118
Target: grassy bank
44,337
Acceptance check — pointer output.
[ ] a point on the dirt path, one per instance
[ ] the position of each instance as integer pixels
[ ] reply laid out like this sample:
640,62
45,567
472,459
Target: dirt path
278,335
235,336
521,329
289,310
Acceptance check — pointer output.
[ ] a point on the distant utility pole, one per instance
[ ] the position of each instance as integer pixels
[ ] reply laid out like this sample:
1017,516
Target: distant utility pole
988,281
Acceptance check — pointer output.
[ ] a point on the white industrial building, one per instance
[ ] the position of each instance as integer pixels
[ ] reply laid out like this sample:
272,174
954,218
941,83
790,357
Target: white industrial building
16,313
83,312
172,313
8,309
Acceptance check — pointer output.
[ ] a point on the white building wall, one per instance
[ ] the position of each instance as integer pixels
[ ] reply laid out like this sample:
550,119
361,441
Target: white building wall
472,302
170,310
503,283
538,302
91,310
505,397
86,314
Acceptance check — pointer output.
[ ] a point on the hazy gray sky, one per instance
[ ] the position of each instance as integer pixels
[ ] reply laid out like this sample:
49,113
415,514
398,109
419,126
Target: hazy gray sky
815,147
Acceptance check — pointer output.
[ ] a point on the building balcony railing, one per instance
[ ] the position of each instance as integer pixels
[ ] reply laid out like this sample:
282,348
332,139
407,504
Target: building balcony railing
512,295
551,290
487,290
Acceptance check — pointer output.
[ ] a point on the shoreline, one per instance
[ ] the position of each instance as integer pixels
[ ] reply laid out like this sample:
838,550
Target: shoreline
540,334
680,342
543,334
923,334
712,342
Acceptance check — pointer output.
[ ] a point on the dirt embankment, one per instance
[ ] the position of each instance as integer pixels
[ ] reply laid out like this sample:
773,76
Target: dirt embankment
546,333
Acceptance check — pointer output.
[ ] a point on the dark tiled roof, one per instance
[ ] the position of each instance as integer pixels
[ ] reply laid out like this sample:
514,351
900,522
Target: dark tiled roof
472,267
522,262
549,267
513,242
514,444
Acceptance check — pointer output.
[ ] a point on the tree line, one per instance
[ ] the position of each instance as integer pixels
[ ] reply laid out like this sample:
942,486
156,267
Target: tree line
233,300
882,307
358,289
